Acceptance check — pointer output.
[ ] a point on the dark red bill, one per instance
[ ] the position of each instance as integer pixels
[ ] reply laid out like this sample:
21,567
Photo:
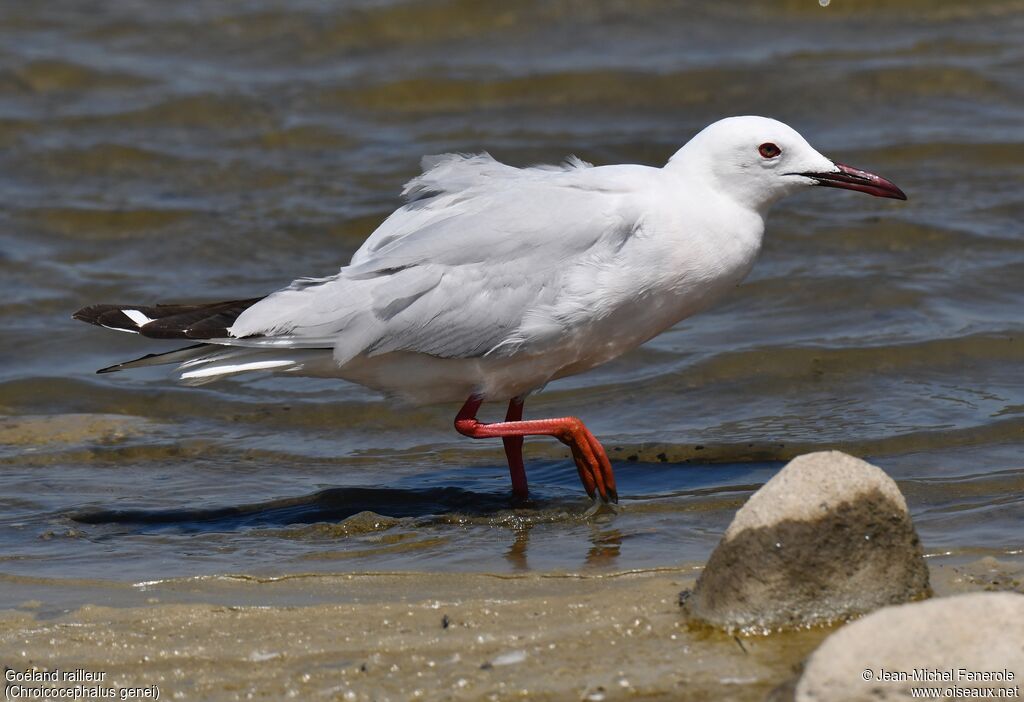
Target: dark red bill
856,179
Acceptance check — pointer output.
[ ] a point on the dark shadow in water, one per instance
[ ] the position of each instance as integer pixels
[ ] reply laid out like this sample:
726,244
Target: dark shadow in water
552,484
335,504
646,480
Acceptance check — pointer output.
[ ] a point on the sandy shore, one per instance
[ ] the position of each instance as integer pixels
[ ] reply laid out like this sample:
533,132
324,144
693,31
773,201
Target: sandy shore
422,636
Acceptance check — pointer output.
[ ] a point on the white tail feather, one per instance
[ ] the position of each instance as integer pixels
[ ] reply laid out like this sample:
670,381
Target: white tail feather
223,362
214,370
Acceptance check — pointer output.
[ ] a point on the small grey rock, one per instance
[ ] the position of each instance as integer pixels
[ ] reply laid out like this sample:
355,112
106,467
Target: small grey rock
828,537
978,633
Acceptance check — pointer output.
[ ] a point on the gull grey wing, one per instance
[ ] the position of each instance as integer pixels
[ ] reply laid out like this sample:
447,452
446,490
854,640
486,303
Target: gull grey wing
468,189
456,274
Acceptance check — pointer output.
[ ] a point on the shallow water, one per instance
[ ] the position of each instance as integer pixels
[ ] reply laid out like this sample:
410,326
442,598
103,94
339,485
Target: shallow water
194,151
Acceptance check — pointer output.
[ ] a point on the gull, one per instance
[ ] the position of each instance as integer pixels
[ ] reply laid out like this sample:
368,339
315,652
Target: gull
492,281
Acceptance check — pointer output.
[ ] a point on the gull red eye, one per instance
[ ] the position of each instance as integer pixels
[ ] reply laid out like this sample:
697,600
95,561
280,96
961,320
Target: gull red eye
769,150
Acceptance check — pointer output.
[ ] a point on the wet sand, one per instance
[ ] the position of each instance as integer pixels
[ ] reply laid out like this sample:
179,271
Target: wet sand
399,636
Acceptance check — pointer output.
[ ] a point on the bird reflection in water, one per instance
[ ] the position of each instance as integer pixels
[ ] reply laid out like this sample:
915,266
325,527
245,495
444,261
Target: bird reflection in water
516,554
605,547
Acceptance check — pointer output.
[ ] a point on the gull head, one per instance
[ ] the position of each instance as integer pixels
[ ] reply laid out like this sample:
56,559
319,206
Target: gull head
757,160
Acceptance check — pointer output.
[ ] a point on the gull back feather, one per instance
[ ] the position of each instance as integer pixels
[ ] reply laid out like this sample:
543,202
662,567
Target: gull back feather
452,185
479,249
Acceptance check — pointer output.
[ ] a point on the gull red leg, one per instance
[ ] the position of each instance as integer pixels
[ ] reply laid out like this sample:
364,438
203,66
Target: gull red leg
514,452
592,463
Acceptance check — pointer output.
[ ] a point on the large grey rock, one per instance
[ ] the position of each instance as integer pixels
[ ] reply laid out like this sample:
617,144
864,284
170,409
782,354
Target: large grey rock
826,538
945,643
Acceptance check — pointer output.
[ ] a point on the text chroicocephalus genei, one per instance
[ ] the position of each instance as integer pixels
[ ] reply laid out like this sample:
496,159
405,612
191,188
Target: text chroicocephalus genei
492,281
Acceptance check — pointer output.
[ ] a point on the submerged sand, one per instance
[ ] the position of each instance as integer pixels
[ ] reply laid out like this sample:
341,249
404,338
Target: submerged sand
399,636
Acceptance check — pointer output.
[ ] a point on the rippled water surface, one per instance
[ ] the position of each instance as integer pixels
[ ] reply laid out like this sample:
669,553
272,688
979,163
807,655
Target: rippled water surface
197,151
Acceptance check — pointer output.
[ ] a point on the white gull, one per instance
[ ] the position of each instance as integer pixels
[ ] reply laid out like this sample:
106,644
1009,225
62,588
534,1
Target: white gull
492,281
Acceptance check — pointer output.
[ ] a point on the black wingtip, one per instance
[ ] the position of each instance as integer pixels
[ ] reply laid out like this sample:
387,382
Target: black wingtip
90,314
169,321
